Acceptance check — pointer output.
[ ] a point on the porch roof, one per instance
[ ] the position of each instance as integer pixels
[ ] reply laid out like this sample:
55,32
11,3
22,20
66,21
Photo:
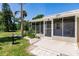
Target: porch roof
59,15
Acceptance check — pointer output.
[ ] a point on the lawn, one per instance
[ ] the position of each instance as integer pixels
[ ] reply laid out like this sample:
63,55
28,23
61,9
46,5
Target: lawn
18,49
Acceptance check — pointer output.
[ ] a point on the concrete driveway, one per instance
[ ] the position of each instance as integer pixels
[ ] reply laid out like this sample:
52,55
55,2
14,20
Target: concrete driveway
49,47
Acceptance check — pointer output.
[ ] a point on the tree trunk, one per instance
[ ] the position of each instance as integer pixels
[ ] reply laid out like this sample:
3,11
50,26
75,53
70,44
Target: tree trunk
22,29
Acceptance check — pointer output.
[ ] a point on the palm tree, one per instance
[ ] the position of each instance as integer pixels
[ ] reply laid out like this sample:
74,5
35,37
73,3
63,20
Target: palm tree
23,15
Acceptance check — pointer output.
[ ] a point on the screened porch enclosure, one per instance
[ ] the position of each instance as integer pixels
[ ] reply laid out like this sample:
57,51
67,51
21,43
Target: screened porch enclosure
37,27
64,27
57,30
48,28
33,27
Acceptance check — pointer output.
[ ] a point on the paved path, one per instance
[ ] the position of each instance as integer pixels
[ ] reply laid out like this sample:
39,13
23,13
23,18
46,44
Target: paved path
48,47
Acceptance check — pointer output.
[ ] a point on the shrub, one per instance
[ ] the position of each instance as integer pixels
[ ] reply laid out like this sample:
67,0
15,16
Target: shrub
31,33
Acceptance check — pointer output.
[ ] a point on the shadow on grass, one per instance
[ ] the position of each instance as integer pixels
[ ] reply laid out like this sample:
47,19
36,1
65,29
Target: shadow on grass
16,43
0,48
8,39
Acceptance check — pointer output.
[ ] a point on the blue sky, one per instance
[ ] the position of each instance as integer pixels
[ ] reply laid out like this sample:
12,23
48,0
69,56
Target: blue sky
34,9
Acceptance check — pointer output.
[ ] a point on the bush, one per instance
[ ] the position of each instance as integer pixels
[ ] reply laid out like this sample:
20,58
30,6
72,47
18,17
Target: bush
31,34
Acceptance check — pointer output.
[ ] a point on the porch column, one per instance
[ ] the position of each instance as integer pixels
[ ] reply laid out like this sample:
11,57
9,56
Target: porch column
35,27
40,27
31,25
76,37
44,28
76,27
52,27
62,27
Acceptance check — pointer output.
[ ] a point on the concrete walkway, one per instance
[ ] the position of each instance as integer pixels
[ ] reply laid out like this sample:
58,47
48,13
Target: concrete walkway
48,47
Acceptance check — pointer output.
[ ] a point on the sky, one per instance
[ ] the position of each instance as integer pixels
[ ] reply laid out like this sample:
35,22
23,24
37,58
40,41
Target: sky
46,9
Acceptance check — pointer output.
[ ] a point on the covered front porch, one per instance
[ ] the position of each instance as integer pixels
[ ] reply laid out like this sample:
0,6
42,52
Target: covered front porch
61,28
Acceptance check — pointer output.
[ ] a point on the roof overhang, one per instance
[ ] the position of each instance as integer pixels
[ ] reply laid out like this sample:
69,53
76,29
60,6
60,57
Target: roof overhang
59,15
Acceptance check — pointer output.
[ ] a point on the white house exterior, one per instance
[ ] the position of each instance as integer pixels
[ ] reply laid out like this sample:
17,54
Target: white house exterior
62,26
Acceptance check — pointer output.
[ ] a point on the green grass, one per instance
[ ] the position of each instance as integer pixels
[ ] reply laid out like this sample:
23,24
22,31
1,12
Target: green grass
4,34
18,49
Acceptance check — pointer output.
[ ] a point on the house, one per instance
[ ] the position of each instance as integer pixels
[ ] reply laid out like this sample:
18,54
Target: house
62,26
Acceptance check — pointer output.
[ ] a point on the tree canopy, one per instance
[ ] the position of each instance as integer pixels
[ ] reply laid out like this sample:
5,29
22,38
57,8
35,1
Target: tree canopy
7,17
18,19
38,16
1,22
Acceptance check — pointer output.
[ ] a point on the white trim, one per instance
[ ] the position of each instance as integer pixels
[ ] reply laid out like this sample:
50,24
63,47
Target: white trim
76,28
44,28
52,28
